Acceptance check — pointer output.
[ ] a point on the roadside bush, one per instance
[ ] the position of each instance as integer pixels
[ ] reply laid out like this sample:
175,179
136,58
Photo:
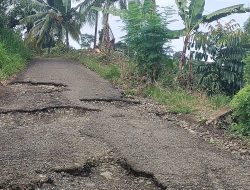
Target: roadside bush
219,100
9,63
13,53
59,49
241,111
14,44
177,100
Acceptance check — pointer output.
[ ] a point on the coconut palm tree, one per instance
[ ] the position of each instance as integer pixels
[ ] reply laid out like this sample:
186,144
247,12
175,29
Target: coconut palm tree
91,15
54,18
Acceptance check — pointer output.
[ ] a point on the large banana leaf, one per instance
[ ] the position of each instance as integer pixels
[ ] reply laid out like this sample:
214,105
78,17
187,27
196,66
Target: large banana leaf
183,8
67,5
225,12
196,9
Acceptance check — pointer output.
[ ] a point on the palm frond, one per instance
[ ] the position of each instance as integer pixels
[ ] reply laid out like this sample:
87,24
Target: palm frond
33,18
44,30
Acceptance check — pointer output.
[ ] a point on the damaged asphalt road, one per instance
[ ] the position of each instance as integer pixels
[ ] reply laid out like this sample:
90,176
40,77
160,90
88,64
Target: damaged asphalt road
64,127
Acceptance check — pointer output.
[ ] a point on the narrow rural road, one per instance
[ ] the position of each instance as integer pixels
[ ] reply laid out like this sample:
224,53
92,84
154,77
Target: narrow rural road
63,127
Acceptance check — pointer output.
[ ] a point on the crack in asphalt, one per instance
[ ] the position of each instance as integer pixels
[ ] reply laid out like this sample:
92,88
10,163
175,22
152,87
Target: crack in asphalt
40,83
109,100
47,109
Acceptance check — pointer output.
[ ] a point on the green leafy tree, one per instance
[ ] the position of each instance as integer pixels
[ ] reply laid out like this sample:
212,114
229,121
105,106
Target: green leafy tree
224,46
146,37
192,14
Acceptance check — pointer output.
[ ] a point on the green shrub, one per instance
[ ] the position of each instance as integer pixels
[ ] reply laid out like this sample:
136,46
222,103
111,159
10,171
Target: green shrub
241,111
9,63
13,53
219,100
146,38
177,100
14,44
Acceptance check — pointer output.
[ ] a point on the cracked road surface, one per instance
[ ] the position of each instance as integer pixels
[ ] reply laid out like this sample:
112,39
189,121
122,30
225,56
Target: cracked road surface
63,127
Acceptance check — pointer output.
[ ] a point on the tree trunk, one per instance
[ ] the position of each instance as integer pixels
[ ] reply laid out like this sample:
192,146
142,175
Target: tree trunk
67,38
106,37
96,28
190,77
183,54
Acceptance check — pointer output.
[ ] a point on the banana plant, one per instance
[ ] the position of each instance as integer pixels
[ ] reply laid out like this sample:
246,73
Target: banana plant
192,15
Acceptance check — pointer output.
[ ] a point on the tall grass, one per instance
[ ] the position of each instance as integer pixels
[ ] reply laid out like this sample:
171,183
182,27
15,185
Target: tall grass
176,100
14,44
13,53
9,63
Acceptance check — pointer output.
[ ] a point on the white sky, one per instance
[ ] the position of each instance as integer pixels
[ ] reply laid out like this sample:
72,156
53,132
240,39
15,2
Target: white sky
211,5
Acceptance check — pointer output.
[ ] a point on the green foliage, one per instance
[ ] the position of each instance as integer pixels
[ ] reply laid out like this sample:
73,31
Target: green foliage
247,26
86,40
219,100
53,21
224,45
14,44
241,111
3,17
247,70
177,100
191,12
109,72
146,37
9,63
58,50
13,53
216,15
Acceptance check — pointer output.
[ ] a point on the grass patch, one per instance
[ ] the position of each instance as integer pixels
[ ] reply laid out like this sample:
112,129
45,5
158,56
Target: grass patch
9,63
13,53
177,101
109,72
219,100
182,101
97,63
14,44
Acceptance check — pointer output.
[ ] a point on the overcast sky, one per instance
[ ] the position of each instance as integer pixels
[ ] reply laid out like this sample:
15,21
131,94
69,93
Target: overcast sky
211,5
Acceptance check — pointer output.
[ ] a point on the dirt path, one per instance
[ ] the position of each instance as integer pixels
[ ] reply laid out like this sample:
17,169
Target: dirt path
63,127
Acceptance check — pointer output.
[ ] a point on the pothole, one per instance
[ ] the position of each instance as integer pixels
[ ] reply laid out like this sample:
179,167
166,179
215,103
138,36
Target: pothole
104,174
49,109
27,87
17,118
21,95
